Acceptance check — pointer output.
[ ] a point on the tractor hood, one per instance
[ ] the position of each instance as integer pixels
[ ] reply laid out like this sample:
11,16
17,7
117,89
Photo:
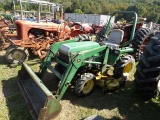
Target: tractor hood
50,26
77,47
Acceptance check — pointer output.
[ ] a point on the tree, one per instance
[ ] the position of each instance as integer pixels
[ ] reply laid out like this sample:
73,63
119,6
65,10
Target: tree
153,16
78,11
8,6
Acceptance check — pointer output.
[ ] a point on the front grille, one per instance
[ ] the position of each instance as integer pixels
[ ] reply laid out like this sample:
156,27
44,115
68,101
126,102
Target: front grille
65,58
60,68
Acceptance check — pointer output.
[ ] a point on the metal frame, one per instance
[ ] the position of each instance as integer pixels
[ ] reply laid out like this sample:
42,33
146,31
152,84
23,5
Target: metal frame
40,4
133,29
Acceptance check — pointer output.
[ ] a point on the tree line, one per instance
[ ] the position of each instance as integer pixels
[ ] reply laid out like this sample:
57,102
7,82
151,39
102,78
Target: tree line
144,8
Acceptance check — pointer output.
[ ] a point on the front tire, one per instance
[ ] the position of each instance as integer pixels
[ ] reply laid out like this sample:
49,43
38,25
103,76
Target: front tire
85,85
16,55
124,67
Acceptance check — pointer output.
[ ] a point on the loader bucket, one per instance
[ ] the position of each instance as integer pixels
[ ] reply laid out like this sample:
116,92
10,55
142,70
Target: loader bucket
41,102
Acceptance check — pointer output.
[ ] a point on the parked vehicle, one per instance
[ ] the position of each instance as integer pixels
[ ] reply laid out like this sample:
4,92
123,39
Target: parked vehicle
34,37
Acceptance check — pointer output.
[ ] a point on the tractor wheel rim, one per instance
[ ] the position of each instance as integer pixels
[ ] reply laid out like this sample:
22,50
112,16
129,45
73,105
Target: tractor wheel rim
158,86
145,42
127,69
88,86
17,55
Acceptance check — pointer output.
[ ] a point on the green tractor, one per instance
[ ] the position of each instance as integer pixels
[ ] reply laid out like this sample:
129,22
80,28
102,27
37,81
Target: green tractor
84,63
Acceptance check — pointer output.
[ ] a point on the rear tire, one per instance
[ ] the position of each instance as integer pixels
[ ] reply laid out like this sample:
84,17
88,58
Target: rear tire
141,38
84,37
16,55
147,75
85,85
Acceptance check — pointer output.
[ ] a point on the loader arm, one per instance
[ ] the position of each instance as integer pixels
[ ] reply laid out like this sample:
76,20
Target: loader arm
50,54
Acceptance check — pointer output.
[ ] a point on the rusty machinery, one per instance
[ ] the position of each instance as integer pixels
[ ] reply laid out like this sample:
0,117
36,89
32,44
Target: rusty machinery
35,37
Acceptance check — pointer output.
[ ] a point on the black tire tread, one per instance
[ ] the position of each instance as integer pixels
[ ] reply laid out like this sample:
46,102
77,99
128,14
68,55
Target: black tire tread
80,84
84,37
138,40
120,64
147,74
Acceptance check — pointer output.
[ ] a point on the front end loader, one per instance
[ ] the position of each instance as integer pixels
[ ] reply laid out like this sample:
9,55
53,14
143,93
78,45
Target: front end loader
82,64
40,101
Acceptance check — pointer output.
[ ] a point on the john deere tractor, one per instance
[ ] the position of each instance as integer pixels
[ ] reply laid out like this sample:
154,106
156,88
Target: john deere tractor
79,62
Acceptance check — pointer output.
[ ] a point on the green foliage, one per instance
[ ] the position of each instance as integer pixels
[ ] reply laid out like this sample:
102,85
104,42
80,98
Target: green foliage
78,11
8,6
153,16
144,8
